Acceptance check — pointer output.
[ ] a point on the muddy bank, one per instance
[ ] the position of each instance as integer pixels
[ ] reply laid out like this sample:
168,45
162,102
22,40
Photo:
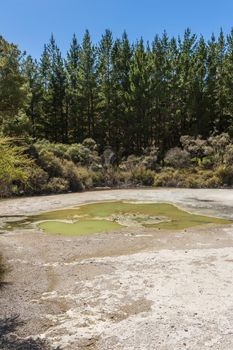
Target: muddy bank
133,289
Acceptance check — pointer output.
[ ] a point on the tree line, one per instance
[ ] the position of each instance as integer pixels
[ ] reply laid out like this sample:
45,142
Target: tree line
128,96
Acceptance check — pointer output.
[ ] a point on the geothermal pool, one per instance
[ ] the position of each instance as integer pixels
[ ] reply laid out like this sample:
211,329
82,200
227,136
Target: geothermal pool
102,217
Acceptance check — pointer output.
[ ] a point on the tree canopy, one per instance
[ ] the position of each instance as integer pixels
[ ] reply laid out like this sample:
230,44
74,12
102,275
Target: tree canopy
125,95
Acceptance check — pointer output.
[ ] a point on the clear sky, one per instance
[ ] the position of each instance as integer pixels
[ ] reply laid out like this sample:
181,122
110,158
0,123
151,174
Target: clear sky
29,23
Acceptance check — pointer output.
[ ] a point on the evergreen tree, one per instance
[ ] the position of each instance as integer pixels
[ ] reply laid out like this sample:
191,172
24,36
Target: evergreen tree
140,96
87,89
229,83
200,118
121,123
34,108
105,87
14,92
54,95
72,104
127,96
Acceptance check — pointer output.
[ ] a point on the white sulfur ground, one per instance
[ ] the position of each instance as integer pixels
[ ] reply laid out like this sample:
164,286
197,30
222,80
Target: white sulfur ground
136,290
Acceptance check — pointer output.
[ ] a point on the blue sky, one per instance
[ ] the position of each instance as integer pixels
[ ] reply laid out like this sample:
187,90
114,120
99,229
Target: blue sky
29,23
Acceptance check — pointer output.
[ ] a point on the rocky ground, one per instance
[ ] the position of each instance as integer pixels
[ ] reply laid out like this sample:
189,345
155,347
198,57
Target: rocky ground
133,289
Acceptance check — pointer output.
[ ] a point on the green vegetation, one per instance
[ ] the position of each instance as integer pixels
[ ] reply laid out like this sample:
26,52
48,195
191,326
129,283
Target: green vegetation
117,114
15,167
111,216
82,227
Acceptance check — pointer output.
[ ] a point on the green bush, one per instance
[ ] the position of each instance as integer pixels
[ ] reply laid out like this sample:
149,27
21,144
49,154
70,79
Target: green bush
50,163
37,181
165,178
78,153
207,163
15,167
70,173
228,157
98,178
225,174
91,144
79,178
142,176
57,185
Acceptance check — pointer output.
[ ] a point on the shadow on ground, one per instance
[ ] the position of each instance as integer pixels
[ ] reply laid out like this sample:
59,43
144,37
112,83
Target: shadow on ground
9,341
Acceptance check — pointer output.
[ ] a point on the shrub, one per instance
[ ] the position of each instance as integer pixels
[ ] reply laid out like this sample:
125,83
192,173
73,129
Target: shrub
213,182
57,185
117,178
84,154
167,178
219,144
208,163
149,160
98,178
228,157
142,176
90,143
78,153
37,181
177,158
78,177
59,149
225,174
50,163
196,147
15,166
131,163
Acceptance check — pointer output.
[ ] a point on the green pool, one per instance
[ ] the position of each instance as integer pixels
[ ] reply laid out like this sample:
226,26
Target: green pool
113,216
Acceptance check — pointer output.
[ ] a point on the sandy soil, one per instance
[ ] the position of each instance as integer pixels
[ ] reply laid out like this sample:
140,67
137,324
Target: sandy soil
134,289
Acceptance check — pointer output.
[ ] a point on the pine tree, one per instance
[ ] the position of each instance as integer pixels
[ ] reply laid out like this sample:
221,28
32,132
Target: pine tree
200,118
34,109
14,92
211,84
54,95
87,89
186,79
121,123
72,103
140,96
105,87
229,83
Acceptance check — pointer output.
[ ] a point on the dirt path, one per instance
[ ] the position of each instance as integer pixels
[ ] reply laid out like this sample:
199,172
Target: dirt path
130,290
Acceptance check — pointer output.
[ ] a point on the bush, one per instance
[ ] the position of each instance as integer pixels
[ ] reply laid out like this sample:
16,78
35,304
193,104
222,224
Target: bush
213,182
57,185
196,147
98,179
91,144
78,177
15,167
131,163
207,163
50,163
150,157
225,174
142,176
37,181
228,157
177,158
187,178
166,178
78,153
